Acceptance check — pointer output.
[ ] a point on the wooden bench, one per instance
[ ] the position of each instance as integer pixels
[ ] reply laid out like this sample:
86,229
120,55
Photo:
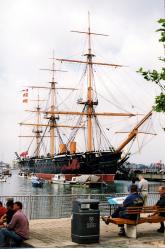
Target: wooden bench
142,217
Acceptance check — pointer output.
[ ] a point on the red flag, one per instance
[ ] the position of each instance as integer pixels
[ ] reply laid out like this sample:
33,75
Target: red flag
24,154
25,94
25,100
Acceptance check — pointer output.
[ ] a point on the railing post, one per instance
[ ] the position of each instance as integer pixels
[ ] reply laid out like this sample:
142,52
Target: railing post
30,207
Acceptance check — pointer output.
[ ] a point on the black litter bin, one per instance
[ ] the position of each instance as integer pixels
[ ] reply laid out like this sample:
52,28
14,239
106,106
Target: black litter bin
85,223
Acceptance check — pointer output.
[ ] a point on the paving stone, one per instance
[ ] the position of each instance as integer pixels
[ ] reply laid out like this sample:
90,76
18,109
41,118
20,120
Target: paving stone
56,233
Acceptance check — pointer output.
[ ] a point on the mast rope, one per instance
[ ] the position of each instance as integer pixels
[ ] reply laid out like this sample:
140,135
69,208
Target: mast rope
75,130
39,147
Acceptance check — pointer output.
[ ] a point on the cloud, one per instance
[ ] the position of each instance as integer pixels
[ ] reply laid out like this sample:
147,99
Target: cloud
31,30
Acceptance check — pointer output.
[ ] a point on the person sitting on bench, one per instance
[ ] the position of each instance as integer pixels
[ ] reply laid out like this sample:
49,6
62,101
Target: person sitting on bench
18,228
132,200
160,203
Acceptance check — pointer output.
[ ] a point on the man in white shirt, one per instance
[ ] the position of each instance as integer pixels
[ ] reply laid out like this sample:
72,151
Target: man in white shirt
143,188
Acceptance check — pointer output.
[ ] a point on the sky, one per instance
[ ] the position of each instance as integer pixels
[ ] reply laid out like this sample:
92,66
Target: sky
32,29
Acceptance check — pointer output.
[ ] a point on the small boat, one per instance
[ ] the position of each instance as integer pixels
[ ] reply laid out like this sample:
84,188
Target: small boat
37,183
59,179
32,177
87,180
22,174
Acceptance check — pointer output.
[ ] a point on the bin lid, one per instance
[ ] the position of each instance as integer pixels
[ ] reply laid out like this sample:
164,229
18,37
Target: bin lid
87,201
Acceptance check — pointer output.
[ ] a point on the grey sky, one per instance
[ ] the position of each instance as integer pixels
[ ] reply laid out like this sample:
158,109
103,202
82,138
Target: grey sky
31,29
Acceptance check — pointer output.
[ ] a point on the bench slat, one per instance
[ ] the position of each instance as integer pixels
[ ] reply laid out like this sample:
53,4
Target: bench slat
140,220
155,219
120,221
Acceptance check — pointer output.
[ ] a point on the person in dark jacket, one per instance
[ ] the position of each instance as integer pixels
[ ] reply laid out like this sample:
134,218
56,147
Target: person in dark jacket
161,203
132,200
10,211
6,218
133,182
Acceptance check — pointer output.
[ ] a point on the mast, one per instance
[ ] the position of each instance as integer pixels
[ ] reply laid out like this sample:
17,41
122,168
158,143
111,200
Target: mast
52,118
89,103
89,93
51,115
38,131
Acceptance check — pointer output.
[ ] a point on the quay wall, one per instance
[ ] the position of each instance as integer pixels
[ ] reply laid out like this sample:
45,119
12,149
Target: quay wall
154,176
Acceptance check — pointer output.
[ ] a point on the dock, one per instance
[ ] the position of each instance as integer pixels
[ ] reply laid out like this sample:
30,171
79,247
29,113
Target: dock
52,233
154,176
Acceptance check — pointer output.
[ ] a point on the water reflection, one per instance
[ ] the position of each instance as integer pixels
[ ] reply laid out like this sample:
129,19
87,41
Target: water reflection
17,185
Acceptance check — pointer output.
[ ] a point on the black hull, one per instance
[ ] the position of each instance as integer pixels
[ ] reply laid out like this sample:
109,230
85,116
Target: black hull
101,163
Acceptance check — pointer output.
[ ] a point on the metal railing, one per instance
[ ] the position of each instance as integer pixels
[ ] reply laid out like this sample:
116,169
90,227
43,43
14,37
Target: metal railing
60,206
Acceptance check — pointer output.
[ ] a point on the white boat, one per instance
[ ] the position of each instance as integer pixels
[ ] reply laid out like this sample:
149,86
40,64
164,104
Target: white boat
84,179
32,177
59,179
88,181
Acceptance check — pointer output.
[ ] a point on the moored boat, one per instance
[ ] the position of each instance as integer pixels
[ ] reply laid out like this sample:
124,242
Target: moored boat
37,183
59,179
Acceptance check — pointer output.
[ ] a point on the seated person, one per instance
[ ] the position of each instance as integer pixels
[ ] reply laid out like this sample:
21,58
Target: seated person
10,211
132,200
6,218
2,209
17,229
160,203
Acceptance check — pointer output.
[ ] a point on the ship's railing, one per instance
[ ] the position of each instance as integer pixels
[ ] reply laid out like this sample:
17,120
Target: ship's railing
60,206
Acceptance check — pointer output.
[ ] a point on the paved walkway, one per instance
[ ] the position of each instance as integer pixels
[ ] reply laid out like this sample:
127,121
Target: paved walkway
50,233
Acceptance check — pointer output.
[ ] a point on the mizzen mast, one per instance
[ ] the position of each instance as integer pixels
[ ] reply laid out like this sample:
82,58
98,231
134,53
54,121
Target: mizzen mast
52,113
37,128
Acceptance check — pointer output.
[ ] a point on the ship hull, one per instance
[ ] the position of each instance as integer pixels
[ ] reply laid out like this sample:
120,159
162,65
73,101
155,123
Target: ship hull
103,164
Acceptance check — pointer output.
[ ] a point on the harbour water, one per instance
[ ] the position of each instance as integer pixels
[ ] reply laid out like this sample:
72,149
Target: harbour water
55,200
16,185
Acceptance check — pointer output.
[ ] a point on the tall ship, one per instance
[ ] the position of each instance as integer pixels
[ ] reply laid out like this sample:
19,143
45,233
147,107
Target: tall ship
84,148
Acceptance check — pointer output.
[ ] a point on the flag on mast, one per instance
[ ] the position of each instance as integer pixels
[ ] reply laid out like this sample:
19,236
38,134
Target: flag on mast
25,95
24,154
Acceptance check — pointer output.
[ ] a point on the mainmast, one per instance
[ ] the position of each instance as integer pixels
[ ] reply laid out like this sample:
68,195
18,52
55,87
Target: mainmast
90,91
89,103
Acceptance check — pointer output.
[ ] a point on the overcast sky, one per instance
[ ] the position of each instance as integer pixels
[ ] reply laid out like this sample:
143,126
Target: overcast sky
32,29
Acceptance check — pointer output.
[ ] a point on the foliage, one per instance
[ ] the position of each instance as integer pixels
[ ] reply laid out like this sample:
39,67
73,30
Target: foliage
158,77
